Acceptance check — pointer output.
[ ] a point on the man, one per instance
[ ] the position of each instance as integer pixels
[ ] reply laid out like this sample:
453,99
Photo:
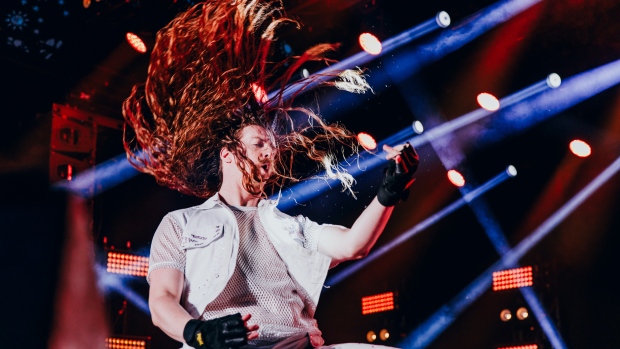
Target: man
235,271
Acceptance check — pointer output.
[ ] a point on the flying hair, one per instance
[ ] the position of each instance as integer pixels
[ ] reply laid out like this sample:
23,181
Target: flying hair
199,94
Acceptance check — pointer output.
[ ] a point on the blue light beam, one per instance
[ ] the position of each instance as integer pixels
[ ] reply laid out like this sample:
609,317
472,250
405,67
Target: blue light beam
363,57
311,188
408,62
550,102
104,176
441,319
108,282
472,195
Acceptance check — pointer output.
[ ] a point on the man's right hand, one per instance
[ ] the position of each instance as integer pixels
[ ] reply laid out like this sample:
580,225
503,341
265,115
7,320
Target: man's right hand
226,332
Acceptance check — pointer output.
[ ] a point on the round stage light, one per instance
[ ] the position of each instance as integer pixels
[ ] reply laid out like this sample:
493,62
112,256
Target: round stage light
371,336
443,19
522,313
580,148
505,315
384,334
417,127
554,80
511,171
367,141
135,42
456,178
305,73
370,43
488,101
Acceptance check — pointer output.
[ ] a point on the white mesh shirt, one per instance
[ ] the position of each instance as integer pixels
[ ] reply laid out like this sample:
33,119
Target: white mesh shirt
262,286
166,251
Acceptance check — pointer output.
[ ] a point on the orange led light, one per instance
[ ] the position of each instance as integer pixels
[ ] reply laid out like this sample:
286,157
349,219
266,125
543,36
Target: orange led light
513,278
135,42
367,141
125,343
378,303
127,264
527,346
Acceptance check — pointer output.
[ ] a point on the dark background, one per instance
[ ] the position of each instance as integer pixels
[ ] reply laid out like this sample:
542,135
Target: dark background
55,52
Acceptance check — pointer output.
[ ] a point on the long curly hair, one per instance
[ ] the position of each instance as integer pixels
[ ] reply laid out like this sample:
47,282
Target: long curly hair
205,69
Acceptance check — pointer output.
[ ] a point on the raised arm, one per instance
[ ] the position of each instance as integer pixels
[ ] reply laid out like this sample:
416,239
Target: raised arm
343,244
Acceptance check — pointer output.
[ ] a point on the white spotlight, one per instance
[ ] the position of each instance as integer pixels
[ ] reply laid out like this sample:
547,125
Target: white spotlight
305,73
505,315
511,170
443,19
554,80
522,313
417,127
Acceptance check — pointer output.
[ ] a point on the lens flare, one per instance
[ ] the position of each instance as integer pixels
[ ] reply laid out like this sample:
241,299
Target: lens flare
580,148
370,43
367,141
456,178
488,101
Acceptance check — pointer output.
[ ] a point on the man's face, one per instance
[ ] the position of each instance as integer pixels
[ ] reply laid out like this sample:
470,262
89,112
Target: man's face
259,149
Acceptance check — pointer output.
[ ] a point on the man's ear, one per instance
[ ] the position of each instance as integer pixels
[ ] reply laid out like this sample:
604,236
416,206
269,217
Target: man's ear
226,155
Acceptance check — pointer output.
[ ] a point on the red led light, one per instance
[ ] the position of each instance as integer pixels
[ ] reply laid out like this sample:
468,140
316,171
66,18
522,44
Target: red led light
135,42
370,43
513,278
367,141
126,264
378,303
580,148
488,101
456,178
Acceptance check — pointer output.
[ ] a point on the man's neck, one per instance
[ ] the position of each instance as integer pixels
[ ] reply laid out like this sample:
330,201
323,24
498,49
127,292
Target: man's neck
236,195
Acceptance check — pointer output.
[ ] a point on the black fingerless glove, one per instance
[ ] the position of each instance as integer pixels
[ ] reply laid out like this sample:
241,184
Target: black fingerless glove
221,333
398,177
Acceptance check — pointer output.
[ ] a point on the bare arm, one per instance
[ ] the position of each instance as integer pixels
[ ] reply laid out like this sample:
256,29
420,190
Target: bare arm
342,244
166,310
164,302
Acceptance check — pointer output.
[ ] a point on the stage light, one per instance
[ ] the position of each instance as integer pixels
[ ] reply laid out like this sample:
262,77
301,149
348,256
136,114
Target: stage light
417,127
127,264
305,73
513,278
522,313
488,101
378,303
554,80
580,148
526,346
127,343
505,315
367,141
371,336
443,19
456,178
511,170
65,171
384,334
259,93
370,43
135,42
